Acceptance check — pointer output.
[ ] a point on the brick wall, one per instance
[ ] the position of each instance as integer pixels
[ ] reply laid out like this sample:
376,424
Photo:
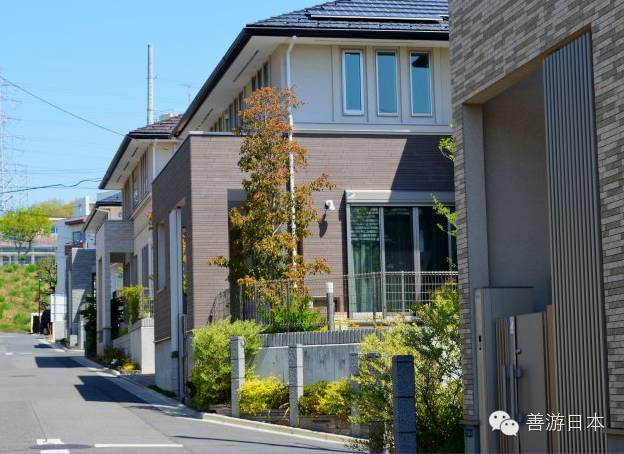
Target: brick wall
353,162
490,41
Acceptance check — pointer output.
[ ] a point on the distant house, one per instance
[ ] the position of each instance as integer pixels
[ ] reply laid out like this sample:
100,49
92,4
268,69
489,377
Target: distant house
66,297
375,83
125,240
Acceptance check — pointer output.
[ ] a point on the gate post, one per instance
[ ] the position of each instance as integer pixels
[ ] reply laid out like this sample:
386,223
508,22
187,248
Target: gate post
237,358
404,404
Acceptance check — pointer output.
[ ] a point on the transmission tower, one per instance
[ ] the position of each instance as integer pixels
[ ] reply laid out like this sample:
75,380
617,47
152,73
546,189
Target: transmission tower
4,184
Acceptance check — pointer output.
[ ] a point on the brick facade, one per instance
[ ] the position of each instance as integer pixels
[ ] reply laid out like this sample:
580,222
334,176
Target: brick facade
491,42
204,174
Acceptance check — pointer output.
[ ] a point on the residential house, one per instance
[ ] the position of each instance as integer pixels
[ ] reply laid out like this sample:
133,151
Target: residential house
374,79
70,236
538,115
128,241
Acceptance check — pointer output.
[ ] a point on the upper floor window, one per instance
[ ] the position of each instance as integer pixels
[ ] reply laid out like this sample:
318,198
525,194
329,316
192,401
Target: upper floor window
420,75
136,197
145,184
353,82
387,100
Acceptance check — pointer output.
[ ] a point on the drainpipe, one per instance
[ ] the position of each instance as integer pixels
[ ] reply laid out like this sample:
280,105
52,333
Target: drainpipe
291,158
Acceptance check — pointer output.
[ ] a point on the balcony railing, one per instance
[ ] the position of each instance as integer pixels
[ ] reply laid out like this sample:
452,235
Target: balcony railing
356,296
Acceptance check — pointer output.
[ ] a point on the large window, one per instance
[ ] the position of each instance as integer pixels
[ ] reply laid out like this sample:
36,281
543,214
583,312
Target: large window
136,188
420,75
353,82
387,100
394,240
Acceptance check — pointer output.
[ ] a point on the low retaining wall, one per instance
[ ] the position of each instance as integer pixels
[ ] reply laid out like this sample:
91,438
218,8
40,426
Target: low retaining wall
325,354
138,344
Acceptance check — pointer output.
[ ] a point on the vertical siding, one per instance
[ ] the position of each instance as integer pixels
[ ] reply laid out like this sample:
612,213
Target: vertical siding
575,240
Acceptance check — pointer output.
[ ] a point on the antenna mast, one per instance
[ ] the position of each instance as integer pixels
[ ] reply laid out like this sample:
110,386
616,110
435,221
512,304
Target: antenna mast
150,84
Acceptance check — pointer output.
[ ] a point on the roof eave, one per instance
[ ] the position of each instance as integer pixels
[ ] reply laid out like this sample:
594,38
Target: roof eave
122,149
347,33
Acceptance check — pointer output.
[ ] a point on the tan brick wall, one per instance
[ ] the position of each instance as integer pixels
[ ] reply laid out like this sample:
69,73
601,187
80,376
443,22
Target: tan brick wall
490,40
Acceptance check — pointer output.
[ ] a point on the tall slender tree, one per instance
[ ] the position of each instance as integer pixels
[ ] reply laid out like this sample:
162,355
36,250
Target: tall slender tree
264,241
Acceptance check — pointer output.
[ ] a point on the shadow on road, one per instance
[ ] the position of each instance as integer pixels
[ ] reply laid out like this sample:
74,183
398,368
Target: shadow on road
58,362
102,389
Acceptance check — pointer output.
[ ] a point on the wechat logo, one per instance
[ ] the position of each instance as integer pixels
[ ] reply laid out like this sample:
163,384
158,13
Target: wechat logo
500,420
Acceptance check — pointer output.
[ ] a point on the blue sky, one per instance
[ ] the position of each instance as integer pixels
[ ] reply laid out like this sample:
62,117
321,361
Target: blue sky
89,57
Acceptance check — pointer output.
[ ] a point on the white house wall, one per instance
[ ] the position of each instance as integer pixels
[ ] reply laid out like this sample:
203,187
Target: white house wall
317,77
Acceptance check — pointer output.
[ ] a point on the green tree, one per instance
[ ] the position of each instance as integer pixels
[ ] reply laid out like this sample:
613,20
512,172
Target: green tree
447,148
55,208
22,226
46,273
263,240
88,311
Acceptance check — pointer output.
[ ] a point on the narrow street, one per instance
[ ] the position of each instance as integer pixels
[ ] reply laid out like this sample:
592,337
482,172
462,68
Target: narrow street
50,402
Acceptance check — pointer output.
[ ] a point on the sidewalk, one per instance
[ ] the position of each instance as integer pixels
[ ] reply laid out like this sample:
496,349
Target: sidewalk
139,386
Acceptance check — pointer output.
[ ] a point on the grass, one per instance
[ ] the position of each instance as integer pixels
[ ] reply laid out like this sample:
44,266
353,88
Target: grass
18,296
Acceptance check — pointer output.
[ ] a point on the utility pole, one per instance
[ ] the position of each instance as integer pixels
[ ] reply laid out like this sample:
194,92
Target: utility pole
150,84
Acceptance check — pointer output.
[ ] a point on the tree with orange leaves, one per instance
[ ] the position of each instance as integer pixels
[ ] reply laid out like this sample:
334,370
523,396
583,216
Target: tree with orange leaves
263,244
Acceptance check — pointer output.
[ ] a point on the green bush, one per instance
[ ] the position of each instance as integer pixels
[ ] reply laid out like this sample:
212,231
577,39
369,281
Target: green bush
3,307
88,311
298,317
260,395
21,319
434,343
210,377
323,398
112,353
132,295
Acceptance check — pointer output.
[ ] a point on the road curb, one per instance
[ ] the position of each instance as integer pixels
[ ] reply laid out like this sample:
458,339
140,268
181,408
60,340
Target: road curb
213,417
247,423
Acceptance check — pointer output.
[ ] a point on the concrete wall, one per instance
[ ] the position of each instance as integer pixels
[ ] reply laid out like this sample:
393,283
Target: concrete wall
166,366
320,362
138,344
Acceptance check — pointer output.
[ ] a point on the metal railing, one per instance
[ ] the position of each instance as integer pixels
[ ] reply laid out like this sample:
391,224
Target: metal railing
281,304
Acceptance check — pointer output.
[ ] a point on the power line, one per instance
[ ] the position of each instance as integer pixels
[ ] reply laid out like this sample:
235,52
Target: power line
65,111
58,185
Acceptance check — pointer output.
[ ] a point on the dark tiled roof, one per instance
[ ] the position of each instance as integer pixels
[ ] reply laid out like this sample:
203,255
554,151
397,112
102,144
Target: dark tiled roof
164,127
386,15
112,199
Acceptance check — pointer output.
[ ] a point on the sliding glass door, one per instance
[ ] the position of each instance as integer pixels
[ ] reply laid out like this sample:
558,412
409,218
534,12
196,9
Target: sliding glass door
395,241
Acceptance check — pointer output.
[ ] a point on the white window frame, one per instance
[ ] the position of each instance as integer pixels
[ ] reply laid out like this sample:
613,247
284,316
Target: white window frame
409,68
396,81
346,111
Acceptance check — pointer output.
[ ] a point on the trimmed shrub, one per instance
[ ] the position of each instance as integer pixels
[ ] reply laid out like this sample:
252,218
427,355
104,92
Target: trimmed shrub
260,395
323,398
31,268
210,377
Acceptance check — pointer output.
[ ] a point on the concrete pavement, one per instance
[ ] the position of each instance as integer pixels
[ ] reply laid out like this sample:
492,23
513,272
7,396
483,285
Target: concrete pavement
51,401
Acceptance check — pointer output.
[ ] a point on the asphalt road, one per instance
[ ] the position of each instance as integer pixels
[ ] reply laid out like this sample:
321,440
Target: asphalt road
51,402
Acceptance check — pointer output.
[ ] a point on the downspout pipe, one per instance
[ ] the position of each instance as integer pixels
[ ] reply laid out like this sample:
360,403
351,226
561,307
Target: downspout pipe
291,158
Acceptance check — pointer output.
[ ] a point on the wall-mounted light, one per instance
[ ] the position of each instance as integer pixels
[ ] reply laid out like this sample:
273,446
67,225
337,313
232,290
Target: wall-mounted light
329,205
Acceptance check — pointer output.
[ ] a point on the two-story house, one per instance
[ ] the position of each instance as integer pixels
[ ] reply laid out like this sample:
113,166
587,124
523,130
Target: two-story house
127,241
375,84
